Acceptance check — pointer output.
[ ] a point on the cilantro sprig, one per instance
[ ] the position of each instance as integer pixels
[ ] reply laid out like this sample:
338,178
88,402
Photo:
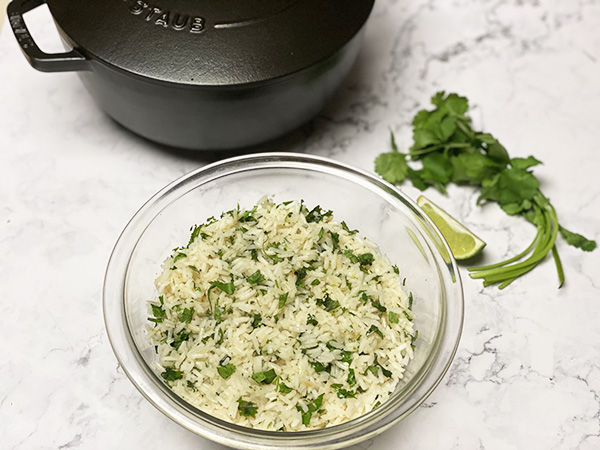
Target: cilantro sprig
451,151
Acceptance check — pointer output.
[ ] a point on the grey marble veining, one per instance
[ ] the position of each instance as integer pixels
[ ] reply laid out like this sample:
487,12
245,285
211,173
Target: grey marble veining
527,373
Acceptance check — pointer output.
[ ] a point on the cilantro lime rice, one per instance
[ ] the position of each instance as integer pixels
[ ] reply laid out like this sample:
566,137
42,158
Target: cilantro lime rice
281,318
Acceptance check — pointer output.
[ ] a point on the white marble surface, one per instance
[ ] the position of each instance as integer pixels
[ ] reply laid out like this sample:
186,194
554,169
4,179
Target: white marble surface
527,373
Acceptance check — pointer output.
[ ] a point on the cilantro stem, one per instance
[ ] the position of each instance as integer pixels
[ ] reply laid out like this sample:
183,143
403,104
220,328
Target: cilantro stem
438,147
559,267
514,258
548,225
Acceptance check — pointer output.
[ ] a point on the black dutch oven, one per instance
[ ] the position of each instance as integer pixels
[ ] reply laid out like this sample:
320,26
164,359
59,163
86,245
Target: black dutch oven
203,74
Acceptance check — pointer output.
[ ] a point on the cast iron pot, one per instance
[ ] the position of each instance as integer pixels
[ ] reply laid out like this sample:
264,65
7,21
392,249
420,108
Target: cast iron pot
203,74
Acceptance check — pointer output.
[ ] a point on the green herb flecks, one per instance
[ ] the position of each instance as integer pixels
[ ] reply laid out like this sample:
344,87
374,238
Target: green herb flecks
317,215
256,320
171,374
246,409
451,151
228,288
182,336
265,377
375,330
187,315
282,299
159,314
226,371
343,393
255,278
351,380
327,303
311,408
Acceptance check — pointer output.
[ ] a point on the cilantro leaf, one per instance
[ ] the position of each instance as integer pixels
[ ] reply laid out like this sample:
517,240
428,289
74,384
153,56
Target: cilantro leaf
577,240
255,278
226,371
282,299
317,215
392,167
265,377
328,303
187,315
524,163
171,374
256,320
246,409
182,336
228,288
375,330
351,380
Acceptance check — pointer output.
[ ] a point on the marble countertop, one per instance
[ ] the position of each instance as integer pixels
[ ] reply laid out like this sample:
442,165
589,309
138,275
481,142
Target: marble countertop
527,372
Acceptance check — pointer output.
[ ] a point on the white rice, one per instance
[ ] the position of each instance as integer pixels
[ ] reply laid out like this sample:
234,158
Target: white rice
338,346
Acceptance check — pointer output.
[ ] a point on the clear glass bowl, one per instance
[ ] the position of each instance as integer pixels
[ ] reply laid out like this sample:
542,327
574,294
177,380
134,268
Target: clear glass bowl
365,202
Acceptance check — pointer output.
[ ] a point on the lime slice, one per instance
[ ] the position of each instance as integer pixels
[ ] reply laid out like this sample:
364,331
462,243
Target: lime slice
463,243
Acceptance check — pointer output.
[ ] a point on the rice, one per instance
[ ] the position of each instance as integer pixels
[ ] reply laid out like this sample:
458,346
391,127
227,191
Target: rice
280,318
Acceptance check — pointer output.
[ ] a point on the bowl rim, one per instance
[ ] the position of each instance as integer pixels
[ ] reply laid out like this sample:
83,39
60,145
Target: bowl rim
193,419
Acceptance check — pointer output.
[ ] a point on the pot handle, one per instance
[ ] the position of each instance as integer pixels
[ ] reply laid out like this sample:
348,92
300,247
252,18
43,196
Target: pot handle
44,62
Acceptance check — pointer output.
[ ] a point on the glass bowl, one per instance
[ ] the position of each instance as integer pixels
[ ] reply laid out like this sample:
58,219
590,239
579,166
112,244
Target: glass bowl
381,213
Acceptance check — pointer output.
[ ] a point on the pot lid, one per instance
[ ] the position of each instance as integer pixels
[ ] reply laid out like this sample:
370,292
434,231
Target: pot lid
210,42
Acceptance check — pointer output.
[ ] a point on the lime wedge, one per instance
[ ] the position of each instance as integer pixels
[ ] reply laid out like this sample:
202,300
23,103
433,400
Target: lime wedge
463,243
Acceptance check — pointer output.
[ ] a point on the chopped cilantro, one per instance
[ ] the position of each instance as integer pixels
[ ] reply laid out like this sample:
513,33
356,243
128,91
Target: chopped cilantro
345,227
410,301
320,367
282,299
219,310
328,303
393,317
283,388
159,314
247,216
365,259
171,374
256,320
254,254
364,297
375,330
378,306
187,315
226,371
228,288
311,320
315,282
317,215
346,356
182,336
194,268
343,393
221,337
351,256
266,377
396,270
255,278
311,408
335,240
195,233
178,256
246,409
351,380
